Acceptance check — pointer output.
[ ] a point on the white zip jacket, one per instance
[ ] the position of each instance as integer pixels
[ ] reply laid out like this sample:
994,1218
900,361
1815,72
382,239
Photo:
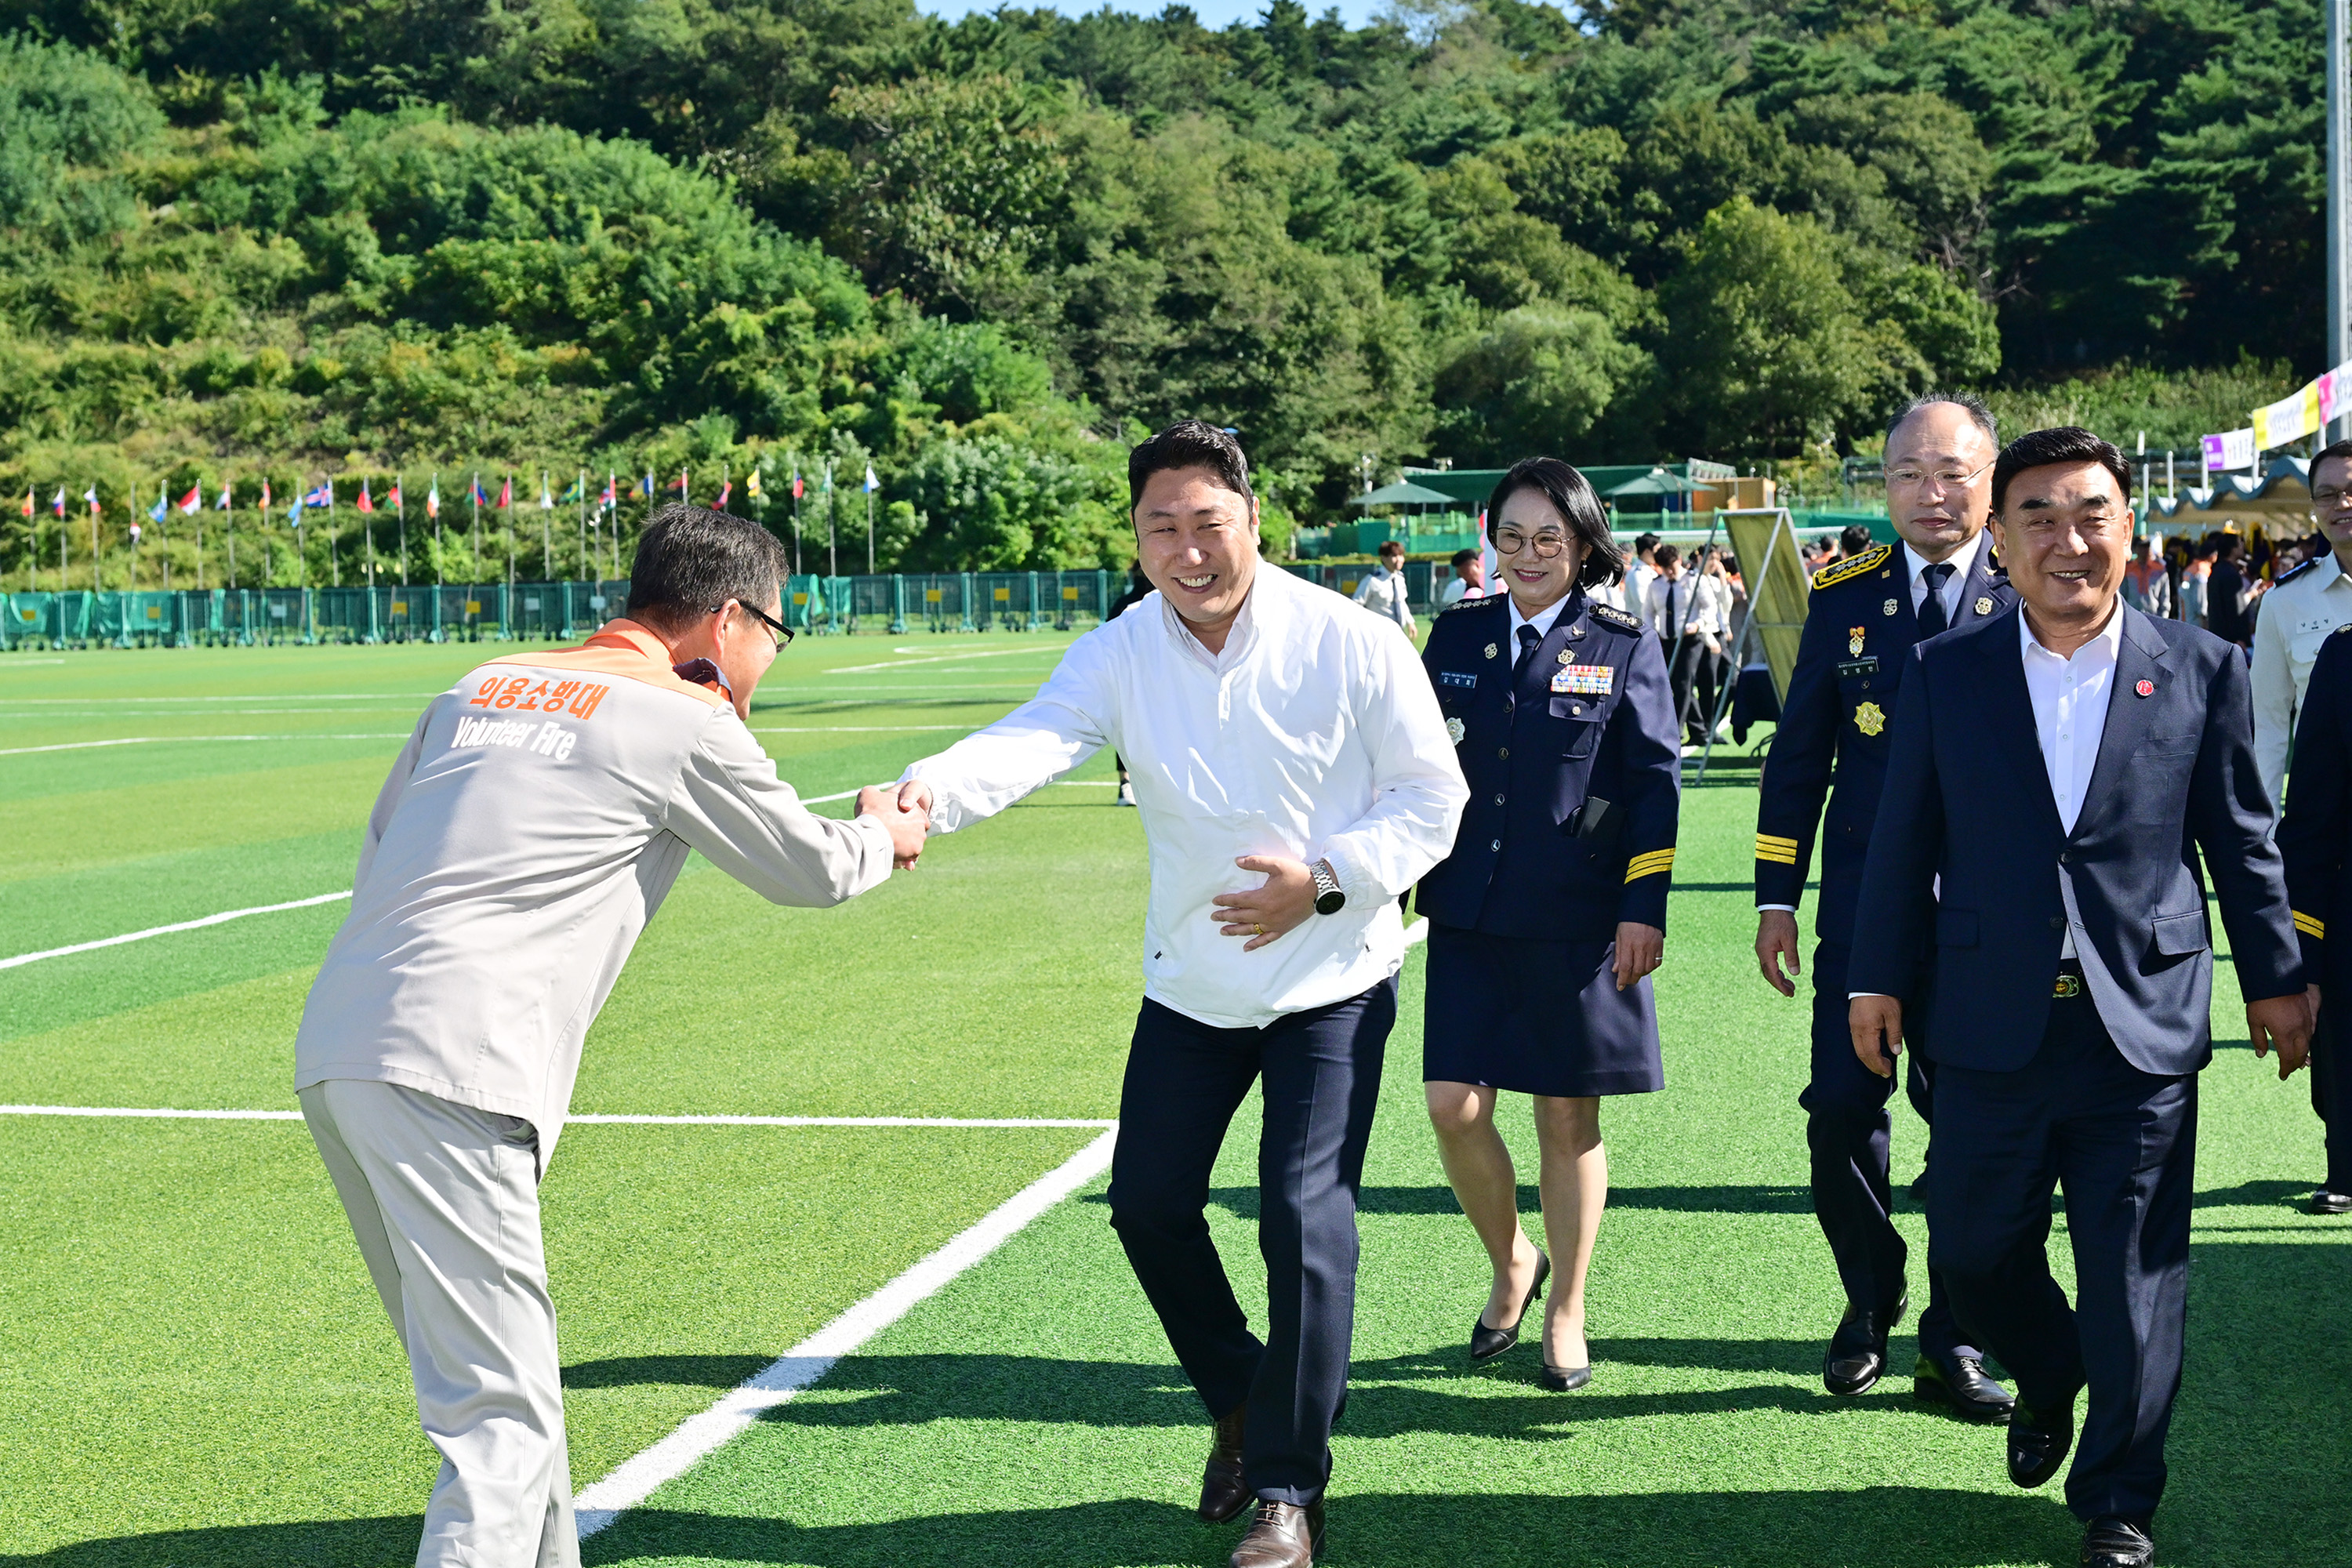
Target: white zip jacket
529,827
1314,734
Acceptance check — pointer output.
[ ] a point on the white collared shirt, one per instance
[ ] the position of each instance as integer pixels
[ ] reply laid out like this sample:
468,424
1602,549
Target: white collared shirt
1315,734
1961,561
2069,699
1545,619
2297,619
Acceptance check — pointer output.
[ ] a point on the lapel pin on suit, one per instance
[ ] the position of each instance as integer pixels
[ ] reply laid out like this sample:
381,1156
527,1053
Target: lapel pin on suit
2146,689
1984,605
1887,608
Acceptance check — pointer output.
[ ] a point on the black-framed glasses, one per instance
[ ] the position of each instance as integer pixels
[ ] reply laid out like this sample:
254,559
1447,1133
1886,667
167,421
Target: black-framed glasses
783,633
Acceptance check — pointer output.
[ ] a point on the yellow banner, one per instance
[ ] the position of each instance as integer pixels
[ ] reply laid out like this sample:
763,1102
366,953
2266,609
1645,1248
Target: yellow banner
2288,419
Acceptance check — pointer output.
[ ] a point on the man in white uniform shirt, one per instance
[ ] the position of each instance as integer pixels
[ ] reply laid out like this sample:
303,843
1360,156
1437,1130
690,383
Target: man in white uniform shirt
2302,608
530,826
1383,591
1295,777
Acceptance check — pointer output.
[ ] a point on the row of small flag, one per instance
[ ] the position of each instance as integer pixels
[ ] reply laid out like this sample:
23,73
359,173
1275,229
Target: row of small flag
321,497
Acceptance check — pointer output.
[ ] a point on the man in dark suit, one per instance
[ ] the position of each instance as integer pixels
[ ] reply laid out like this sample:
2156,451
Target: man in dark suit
2055,775
1862,617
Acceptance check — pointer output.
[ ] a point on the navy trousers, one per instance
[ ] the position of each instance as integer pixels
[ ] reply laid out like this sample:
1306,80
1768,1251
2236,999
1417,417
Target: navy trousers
1321,1073
2123,1144
2331,1092
1846,1129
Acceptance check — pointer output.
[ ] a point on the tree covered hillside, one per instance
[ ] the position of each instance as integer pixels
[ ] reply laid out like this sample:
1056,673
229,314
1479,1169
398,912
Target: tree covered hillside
296,238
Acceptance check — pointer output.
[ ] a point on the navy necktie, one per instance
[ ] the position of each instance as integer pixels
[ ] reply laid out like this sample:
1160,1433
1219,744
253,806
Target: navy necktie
1931,608
1529,638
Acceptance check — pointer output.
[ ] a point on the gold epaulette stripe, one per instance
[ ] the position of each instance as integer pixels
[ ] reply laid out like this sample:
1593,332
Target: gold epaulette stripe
1777,857
1649,864
2315,929
1774,841
1830,576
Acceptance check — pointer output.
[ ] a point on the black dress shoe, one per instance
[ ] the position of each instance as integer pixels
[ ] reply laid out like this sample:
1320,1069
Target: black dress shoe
1566,1379
2038,1441
2112,1541
1282,1535
1960,1382
1486,1344
2327,1200
1222,1492
1857,1352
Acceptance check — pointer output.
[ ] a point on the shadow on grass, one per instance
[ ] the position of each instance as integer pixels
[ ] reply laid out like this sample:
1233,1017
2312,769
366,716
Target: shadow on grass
1885,1527
1243,1202
312,1543
690,1371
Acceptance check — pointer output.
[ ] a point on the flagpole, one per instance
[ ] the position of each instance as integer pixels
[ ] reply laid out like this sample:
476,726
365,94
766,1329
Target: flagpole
869,531
334,561
832,531
400,512
474,499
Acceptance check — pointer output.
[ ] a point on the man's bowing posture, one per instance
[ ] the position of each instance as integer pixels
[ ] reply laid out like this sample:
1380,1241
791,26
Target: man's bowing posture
530,829
1295,777
2060,767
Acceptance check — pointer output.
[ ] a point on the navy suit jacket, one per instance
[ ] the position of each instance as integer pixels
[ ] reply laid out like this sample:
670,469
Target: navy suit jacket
2316,832
1859,627
1968,799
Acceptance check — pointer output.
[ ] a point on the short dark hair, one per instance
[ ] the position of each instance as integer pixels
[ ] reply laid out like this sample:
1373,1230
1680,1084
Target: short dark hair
1855,538
2340,450
1667,555
2230,548
1189,444
1390,544
1572,495
1967,402
690,560
1643,543
2059,444
1462,558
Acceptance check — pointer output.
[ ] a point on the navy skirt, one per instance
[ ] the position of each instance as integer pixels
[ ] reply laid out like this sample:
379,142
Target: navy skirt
1536,1017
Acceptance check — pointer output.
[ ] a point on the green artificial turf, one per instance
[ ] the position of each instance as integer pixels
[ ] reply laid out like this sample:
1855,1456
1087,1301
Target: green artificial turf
194,1370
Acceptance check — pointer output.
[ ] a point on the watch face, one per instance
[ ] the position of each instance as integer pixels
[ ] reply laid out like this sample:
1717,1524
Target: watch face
1331,903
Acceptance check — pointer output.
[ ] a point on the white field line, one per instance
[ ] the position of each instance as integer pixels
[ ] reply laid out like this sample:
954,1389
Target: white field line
221,919
20,663
598,1505
169,1113
155,739
935,658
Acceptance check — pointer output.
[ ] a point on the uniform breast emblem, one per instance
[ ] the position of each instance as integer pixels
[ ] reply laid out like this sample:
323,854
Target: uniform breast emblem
1984,606
1853,641
1887,608
1454,729
1490,650
1870,719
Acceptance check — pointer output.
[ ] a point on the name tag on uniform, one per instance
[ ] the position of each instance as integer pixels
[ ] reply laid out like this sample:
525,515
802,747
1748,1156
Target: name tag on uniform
1585,679
1853,667
2317,623
1455,678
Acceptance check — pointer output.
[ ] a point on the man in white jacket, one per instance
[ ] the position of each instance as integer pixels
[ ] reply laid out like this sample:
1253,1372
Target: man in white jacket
530,826
1295,775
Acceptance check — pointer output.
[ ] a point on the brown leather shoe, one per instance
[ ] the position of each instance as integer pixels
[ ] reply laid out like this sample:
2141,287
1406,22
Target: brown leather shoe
1282,1535
1222,1492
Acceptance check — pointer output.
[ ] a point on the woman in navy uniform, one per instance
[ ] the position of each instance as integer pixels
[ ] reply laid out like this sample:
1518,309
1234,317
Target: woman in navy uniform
1547,920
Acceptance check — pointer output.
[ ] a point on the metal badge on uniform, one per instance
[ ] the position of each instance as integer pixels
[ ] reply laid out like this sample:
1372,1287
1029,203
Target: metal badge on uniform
2146,689
1585,679
1870,718
1887,608
1566,655
1853,641
1491,650
1984,605
1454,729
1455,678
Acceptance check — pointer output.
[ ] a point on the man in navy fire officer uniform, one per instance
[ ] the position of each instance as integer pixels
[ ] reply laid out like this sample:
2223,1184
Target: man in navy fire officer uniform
2315,837
1865,613
2066,781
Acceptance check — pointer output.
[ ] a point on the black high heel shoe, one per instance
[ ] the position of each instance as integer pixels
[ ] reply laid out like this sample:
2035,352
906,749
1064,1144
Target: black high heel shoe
1486,1344
1566,1379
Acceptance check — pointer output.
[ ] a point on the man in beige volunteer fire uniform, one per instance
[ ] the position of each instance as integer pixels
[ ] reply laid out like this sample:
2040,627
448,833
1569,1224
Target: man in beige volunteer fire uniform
530,826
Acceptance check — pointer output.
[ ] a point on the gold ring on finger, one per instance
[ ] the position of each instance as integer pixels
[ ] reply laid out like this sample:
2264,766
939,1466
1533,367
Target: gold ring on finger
1259,929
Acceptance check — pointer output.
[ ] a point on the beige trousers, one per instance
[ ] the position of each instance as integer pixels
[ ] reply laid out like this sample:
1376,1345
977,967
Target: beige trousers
444,1201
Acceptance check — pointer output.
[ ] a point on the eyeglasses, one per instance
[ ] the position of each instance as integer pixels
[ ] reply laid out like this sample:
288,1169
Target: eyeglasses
783,633
2327,496
1911,478
1546,544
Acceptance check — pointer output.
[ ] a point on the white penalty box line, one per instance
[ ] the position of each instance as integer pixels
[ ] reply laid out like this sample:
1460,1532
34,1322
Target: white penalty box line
614,1119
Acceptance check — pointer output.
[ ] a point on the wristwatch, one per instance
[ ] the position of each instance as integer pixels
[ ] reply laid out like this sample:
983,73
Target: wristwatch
1328,899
